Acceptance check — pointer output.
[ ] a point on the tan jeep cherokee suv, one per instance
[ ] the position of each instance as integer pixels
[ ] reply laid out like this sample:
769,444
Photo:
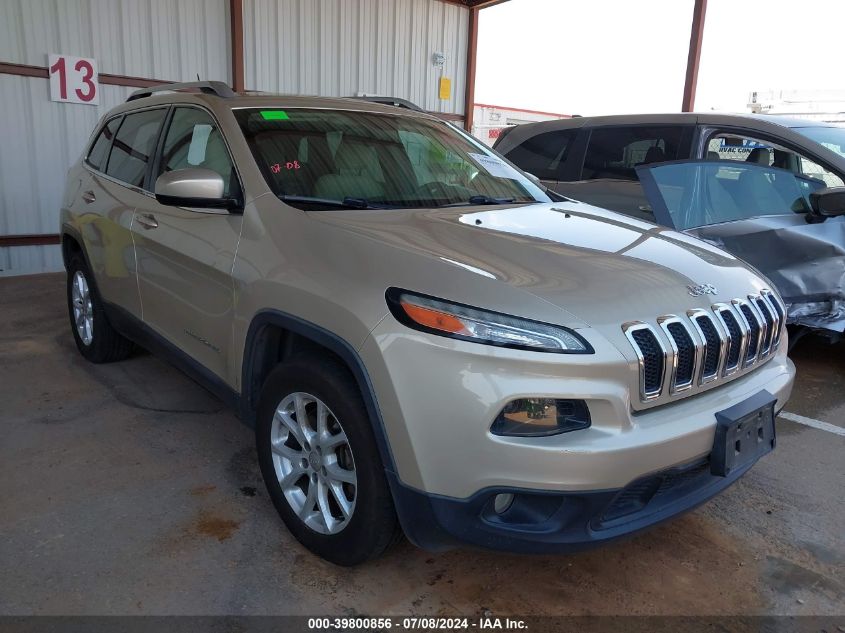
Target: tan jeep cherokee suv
423,338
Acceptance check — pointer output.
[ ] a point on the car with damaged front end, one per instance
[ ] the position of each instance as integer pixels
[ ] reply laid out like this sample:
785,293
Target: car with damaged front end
789,226
758,205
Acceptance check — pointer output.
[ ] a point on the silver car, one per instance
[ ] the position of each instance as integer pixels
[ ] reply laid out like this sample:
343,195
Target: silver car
424,340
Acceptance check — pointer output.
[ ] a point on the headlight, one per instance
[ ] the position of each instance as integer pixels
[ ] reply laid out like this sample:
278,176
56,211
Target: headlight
455,320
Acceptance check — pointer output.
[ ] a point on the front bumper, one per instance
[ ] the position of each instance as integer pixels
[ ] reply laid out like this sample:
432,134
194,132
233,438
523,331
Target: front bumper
628,471
540,521
438,398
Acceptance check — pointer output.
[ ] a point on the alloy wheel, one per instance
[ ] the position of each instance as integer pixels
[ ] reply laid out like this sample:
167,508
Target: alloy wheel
313,463
83,309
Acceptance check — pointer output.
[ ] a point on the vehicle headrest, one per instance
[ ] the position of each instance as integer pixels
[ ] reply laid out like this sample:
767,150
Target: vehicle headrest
760,156
654,155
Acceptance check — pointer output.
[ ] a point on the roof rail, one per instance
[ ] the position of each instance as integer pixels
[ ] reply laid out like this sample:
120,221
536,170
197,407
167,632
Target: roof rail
206,87
391,101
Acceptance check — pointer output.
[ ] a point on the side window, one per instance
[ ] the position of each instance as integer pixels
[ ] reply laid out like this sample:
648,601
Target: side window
194,140
737,147
740,148
614,152
99,153
814,170
543,154
133,146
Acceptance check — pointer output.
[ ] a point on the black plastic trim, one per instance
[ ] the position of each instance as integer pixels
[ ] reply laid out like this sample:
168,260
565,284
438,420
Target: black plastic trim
393,294
329,340
139,332
558,521
230,204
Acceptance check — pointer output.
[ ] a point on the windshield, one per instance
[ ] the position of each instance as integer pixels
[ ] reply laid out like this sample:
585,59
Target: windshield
691,194
312,158
832,138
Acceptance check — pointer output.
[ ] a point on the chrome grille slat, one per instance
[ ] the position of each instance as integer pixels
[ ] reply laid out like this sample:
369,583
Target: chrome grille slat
713,345
703,346
779,314
763,324
736,331
642,336
755,330
769,320
683,359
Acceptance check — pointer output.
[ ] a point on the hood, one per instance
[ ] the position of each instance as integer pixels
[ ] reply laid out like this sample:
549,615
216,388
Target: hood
805,262
599,266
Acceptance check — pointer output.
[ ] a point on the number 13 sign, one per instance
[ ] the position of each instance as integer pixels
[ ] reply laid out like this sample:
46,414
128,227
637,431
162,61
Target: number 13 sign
73,79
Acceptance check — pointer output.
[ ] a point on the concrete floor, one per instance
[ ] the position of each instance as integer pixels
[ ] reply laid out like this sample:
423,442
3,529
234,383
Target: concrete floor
127,489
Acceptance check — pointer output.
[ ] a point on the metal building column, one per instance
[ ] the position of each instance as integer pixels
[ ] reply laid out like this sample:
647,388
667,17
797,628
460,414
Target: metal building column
694,58
472,58
236,19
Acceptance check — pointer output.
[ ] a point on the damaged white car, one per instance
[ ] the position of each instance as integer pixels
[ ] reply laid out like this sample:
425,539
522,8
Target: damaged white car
761,187
787,225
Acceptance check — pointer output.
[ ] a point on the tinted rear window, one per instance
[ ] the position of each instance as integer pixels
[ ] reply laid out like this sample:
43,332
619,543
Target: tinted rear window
615,152
134,145
544,154
100,150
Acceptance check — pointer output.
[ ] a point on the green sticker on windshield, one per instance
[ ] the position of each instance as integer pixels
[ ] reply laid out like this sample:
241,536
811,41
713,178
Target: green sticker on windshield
274,115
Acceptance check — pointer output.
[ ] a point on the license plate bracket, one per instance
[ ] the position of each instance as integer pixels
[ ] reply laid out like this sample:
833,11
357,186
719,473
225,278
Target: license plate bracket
744,433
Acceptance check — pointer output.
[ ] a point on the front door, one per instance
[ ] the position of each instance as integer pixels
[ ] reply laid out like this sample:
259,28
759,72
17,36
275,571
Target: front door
184,255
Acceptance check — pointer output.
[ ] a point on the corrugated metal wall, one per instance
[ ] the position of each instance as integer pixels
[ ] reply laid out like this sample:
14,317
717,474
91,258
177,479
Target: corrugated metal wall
158,39
323,47
161,39
346,47
41,139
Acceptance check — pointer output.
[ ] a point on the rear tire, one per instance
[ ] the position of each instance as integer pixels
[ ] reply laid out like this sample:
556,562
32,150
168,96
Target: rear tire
342,522
95,338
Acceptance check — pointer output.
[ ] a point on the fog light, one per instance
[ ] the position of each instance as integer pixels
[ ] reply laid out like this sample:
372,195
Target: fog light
528,417
502,502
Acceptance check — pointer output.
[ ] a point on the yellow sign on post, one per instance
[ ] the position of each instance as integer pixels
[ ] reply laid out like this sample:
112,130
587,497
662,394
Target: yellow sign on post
445,88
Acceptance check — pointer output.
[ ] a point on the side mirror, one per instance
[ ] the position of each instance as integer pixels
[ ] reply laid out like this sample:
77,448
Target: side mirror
193,187
828,202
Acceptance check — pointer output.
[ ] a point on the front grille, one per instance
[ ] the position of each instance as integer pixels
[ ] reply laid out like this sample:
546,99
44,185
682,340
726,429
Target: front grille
769,320
654,492
778,311
736,338
686,353
707,346
753,333
712,346
652,358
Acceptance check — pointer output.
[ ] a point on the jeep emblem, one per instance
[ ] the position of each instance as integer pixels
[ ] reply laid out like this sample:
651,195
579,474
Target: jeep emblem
702,289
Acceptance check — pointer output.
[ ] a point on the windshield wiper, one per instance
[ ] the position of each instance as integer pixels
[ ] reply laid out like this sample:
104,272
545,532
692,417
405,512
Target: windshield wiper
481,199
346,203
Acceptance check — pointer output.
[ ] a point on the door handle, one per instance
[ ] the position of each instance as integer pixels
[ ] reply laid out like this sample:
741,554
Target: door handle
89,197
147,220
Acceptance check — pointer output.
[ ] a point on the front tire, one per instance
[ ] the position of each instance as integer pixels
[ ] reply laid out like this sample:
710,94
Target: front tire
320,461
95,338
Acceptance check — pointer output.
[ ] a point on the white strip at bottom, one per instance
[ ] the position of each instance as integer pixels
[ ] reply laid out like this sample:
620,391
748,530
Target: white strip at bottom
816,424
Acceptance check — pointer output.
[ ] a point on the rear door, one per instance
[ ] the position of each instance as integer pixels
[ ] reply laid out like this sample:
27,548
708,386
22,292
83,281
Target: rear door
608,175
185,255
109,193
